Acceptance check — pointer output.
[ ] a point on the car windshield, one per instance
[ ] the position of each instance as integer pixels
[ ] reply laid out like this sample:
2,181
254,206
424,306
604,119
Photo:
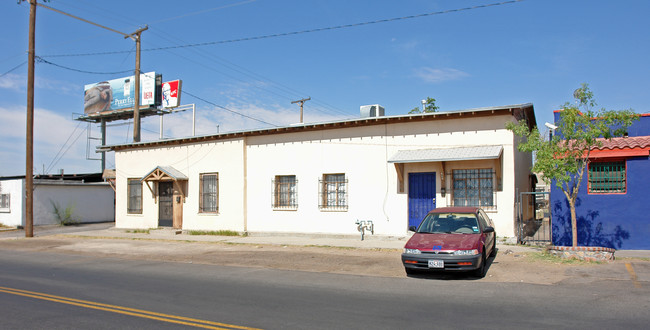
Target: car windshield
450,223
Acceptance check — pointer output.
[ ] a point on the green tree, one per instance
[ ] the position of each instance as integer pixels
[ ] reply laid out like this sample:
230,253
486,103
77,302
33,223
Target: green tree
565,157
430,106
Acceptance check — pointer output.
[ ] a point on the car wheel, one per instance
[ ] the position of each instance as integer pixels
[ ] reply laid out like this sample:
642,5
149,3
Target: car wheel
410,271
493,253
480,271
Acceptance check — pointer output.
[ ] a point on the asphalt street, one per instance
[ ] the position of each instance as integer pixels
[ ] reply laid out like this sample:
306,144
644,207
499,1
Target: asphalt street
227,297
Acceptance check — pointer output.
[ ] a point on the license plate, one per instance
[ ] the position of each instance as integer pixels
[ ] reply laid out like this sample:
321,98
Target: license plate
436,264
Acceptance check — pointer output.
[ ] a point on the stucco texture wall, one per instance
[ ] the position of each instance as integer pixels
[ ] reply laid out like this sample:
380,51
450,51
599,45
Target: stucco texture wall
618,221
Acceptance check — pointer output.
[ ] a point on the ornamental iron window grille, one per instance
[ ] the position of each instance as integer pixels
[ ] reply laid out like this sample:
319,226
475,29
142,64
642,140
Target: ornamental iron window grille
209,193
134,196
333,192
607,177
285,192
474,187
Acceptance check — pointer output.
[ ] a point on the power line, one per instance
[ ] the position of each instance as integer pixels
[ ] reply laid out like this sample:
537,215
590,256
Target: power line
224,108
268,36
42,60
59,155
15,68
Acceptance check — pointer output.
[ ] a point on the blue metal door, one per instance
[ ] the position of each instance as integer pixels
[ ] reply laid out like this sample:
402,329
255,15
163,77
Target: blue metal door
422,196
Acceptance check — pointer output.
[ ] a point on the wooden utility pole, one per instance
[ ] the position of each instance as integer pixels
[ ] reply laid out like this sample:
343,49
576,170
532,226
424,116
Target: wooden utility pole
136,37
136,106
29,164
302,101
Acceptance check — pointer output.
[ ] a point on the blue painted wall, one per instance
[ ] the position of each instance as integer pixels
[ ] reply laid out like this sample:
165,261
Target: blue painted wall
619,221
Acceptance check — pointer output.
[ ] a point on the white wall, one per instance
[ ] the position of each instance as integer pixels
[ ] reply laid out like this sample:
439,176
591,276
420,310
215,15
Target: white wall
90,202
247,167
14,215
362,153
223,157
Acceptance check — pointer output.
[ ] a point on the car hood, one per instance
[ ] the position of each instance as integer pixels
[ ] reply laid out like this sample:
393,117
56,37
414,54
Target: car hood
429,242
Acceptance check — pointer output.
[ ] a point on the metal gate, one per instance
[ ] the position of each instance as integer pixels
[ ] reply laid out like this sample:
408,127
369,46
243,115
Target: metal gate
534,218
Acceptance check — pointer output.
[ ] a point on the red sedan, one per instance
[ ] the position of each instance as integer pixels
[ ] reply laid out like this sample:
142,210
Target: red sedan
451,239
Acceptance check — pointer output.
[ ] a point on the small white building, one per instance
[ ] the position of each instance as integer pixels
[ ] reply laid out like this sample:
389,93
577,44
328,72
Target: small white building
87,199
323,177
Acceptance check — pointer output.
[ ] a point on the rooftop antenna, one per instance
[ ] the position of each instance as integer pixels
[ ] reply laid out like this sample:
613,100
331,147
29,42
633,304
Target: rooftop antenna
301,101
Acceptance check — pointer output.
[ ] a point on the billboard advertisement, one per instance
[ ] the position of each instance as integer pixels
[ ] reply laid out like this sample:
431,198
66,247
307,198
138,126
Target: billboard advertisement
119,94
171,93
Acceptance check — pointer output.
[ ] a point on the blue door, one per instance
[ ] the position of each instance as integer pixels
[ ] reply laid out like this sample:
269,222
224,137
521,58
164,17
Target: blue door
422,196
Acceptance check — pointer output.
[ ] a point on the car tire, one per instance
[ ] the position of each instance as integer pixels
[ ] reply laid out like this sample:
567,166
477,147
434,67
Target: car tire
480,271
410,272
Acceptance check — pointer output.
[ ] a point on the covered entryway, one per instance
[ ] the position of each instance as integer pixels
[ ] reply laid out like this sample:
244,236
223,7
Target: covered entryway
168,186
421,168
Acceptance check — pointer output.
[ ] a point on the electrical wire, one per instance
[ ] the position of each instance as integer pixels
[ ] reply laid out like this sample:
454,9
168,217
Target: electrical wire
59,155
42,60
268,36
15,68
224,108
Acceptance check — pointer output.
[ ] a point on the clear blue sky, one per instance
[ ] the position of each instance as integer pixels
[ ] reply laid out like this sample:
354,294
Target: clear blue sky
535,51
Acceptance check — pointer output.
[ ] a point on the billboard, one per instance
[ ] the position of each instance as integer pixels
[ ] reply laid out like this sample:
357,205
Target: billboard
171,93
119,94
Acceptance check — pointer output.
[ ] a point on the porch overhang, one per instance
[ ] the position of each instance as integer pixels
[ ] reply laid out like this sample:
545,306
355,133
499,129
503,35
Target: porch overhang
441,155
165,173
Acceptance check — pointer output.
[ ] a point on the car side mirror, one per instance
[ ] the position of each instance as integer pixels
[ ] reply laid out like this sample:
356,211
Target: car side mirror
488,230
413,228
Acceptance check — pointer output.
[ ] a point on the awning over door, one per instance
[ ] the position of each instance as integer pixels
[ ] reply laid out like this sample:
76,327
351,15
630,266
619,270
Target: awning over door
446,154
164,173
441,155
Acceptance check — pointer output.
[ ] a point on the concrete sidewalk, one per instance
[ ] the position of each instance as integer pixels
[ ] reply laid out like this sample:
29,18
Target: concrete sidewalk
108,230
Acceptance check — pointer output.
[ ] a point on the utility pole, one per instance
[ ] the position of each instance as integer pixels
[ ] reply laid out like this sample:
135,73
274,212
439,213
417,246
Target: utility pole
301,101
136,37
136,106
29,163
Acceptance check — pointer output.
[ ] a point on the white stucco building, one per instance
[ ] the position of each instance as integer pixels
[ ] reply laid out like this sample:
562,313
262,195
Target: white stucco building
323,177
88,200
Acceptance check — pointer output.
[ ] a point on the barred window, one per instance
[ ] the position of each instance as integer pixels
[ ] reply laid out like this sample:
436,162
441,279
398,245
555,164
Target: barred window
473,187
5,200
607,177
134,196
333,192
285,192
209,193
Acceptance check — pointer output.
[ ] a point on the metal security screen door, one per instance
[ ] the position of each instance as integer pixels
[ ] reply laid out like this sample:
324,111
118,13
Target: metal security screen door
422,196
165,204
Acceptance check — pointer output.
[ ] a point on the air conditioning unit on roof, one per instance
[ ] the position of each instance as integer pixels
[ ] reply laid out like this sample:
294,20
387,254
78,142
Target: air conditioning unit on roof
373,110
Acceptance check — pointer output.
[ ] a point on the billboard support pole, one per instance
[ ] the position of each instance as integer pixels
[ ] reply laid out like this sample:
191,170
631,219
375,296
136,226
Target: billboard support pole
103,144
136,106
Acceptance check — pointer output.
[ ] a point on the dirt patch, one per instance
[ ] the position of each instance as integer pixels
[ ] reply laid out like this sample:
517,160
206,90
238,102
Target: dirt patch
507,266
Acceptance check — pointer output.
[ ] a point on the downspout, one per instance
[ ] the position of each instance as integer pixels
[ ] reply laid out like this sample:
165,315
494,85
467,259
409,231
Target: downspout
245,166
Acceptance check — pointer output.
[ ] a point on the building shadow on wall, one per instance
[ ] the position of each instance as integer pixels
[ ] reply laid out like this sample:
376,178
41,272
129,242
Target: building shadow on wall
591,230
